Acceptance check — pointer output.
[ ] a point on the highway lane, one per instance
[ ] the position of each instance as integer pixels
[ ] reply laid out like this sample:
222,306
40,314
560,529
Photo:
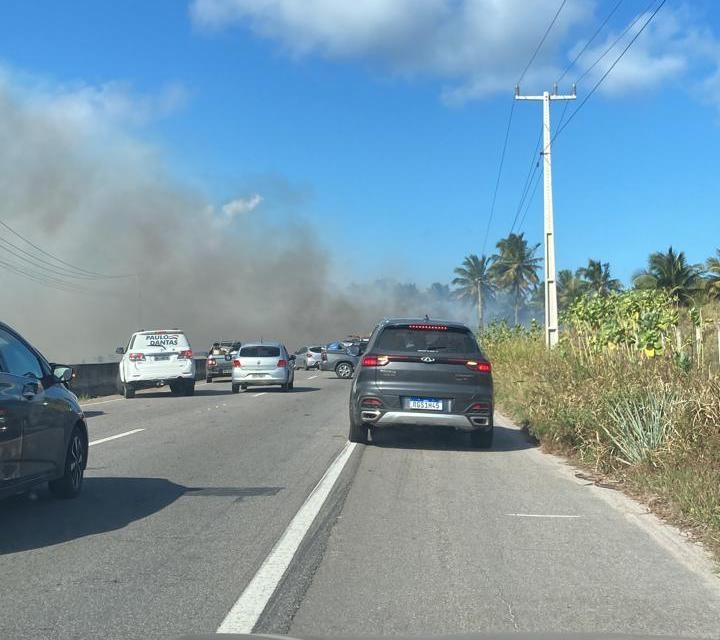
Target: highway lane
175,519
421,534
436,538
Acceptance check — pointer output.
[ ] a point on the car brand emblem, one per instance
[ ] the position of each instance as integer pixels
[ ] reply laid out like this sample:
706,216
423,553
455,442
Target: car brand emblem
258,361
427,359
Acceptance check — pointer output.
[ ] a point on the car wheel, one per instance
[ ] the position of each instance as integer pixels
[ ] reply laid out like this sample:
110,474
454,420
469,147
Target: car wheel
189,388
128,390
344,370
482,439
358,431
243,387
235,388
70,484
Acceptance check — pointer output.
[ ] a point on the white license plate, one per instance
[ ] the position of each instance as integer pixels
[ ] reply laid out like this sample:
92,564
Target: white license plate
426,404
162,358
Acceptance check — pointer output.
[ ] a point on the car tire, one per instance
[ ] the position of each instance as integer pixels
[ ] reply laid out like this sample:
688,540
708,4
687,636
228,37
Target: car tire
244,387
128,390
482,439
344,370
70,484
358,431
188,388
235,388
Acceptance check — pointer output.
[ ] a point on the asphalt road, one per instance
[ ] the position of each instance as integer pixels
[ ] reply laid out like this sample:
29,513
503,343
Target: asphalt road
420,533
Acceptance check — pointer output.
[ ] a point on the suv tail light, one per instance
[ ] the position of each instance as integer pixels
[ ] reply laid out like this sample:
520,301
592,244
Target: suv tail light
185,354
236,364
481,367
480,407
282,363
136,356
375,361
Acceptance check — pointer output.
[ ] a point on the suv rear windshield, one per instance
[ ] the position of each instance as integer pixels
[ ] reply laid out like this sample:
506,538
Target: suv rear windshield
260,351
315,349
404,339
170,341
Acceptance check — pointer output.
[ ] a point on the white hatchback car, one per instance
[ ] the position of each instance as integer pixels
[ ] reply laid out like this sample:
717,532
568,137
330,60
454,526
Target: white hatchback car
262,364
156,358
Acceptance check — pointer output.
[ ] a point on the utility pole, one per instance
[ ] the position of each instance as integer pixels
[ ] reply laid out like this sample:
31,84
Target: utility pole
551,308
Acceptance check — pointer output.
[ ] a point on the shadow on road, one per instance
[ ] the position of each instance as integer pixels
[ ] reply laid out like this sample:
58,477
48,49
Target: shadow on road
505,439
92,414
166,393
276,389
33,521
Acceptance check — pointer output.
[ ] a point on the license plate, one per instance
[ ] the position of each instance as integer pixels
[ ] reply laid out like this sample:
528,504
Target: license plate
162,358
426,404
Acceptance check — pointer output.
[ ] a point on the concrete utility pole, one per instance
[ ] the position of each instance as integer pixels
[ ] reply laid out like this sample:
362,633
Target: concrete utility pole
551,309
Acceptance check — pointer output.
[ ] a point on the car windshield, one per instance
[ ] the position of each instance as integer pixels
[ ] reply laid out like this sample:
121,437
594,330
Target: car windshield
404,339
168,341
359,319
259,351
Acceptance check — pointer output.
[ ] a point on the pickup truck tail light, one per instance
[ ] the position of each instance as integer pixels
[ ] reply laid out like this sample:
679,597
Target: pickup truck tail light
211,362
186,354
136,356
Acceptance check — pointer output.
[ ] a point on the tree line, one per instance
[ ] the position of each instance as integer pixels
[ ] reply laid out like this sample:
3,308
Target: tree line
509,280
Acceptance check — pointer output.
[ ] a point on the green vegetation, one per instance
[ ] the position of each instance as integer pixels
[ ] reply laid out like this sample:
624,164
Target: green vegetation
616,397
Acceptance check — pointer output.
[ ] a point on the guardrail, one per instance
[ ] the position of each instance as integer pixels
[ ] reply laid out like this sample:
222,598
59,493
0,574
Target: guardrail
102,379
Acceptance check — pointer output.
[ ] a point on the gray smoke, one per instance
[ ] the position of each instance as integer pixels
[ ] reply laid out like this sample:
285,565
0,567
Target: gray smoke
96,197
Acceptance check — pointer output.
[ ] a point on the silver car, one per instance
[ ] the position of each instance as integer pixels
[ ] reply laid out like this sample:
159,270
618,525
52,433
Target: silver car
308,357
262,364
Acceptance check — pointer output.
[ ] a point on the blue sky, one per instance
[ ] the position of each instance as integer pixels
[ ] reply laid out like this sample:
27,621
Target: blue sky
383,128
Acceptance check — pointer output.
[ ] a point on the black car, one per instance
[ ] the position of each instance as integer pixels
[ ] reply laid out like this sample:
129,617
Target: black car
43,435
420,372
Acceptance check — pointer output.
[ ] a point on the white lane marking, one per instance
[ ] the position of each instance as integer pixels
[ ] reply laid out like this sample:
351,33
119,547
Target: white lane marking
313,377
541,515
249,607
262,393
119,435
92,404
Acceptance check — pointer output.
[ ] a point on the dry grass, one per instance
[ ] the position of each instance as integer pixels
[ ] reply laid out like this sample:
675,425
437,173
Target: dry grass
596,410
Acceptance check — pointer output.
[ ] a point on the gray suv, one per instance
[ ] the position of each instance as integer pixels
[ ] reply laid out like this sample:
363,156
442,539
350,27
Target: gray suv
421,372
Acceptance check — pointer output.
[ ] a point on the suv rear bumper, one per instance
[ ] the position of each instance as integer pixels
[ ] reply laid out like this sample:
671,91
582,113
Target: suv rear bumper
459,421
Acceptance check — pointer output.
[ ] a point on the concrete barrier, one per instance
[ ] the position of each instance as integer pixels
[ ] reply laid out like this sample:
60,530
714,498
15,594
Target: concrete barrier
102,379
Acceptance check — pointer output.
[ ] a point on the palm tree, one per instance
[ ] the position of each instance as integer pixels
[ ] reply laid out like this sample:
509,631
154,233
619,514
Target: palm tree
515,268
597,278
670,271
712,266
569,287
475,283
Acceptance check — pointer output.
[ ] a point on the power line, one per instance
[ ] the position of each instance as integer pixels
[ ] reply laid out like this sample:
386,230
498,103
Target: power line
609,70
530,199
542,41
46,281
39,263
590,40
80,270
614,43
534,162
509,124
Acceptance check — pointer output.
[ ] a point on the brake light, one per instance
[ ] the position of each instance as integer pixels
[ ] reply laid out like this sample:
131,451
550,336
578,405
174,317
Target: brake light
481,367
236,364
428,327
282,363
375,361
136,356
371,402
211,362
185,354
480,407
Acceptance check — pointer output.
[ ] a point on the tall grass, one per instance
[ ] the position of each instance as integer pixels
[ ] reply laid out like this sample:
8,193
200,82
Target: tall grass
646,422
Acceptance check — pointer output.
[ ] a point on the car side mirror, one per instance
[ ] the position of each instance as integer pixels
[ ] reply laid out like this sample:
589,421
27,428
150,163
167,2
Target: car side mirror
120,351
64,374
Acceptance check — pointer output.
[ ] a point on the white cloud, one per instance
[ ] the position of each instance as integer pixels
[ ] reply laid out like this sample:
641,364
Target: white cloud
478,46
241,206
